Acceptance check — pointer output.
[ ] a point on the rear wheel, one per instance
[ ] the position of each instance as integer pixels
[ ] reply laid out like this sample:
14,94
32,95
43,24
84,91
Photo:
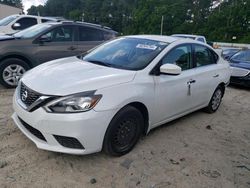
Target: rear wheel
123,132
11,71
215,100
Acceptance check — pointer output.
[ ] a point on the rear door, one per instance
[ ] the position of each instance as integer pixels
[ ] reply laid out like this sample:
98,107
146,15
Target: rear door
88,38
207,74
61,44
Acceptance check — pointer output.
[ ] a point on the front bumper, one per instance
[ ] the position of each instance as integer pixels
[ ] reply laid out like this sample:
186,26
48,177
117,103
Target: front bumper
88,128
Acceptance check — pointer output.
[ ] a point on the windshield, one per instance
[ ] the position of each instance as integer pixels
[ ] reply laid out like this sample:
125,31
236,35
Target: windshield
126,53
32,31
229,51
5,21
242,56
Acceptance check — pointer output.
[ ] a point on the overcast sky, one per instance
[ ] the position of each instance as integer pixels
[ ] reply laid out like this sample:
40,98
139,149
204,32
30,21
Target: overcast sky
28,3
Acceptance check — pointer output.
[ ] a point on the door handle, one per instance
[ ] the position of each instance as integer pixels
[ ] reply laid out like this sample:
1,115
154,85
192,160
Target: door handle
72,48
191,81
189,86
217,75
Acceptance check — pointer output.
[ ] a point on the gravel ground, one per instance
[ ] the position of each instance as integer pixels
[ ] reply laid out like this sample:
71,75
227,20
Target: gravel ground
199,150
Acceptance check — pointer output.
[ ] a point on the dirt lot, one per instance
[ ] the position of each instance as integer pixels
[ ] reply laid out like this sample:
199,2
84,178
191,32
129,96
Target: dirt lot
199,150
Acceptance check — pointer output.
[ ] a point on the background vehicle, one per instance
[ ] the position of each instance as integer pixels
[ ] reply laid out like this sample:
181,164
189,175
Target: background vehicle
44,42
194,37
18,22
7,10
240,66
116,92
229,52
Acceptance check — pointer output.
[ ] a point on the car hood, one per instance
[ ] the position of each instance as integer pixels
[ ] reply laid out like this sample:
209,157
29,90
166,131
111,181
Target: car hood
239,64
6,37
71,75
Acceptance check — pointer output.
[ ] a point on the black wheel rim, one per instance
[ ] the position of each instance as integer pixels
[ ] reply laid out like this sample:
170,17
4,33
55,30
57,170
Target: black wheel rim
125,135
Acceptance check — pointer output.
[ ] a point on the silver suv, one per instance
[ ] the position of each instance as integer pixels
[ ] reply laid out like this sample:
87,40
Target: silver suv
45,42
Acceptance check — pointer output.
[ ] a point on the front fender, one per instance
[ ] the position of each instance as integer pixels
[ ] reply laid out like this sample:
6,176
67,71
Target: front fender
118,96
31,61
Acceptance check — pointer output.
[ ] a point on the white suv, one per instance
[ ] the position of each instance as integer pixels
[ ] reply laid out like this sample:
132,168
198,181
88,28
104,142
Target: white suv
15,23
109,97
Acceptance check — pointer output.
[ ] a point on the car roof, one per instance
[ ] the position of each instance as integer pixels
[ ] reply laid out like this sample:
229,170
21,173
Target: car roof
32,16
54,18
65,22
161,38
186,35
164,38
169,39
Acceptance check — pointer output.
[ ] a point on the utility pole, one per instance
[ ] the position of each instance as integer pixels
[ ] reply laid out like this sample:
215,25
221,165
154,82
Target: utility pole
83,16
162,20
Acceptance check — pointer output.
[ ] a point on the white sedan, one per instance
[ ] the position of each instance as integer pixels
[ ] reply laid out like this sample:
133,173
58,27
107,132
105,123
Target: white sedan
120,90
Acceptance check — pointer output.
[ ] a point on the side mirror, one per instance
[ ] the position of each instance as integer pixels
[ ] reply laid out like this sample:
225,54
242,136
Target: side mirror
45,38
170,69
16,26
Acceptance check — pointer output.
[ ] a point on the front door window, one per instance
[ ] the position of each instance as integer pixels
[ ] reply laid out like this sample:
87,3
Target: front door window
180,56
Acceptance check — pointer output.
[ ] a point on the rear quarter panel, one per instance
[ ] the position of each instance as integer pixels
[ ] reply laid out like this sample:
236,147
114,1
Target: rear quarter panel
224,70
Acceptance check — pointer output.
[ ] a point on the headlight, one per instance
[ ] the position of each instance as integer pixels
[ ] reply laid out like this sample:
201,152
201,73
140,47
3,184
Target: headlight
73,103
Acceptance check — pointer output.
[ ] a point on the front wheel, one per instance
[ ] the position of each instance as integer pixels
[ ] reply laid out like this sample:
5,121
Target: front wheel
215,100
123,132
11,71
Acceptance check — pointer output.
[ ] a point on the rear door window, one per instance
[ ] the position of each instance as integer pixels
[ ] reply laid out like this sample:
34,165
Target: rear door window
90,34
204,56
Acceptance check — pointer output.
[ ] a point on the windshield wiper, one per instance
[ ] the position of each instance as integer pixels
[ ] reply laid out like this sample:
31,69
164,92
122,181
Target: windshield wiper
100,63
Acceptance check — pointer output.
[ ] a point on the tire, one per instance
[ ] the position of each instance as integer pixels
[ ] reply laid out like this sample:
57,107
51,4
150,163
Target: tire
215,101
11,70
123,132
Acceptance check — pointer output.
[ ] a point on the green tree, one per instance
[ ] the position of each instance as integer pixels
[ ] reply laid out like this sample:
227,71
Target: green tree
76,15
232,20
39,10
221,23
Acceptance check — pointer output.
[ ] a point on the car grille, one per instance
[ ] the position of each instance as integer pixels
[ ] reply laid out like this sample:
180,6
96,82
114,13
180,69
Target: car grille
32,130
27,96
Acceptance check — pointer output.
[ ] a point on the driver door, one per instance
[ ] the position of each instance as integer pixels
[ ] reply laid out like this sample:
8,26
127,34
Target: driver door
61,43
174,93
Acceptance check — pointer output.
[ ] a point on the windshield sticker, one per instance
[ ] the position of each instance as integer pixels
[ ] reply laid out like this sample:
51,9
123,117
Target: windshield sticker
145,46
